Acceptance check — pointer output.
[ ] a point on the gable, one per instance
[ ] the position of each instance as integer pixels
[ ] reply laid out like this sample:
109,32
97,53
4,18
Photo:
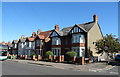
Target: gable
54,33
75,29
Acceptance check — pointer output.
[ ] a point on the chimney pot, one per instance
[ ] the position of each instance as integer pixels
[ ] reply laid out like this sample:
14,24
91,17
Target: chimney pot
56,27
95,18
22,37
39,31
33,34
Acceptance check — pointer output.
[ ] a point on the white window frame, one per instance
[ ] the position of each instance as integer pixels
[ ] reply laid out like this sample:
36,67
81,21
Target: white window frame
56,52
30,44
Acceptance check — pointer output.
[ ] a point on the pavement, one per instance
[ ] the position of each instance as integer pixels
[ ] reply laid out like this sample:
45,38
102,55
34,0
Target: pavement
94,67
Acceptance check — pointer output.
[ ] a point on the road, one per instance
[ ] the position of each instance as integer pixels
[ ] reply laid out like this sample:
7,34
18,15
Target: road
15,68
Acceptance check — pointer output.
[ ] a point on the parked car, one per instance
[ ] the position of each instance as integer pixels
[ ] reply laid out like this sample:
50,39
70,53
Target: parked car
117,57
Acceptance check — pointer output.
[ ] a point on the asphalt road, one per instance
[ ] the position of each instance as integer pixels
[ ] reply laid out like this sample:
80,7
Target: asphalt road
14,68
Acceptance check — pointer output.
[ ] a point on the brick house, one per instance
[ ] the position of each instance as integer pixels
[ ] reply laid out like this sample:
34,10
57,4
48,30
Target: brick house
42,42
15,47
30,44
39,43
10,48
3,46
21,45
78,38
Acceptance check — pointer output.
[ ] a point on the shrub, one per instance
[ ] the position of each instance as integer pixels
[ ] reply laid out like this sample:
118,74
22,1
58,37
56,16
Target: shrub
71,54
33,54
49,53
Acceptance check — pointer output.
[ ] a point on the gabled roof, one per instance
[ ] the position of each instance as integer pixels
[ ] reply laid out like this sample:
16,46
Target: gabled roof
3,43
30,38
22,40
15,41
85,26
40,36
59,32
46,33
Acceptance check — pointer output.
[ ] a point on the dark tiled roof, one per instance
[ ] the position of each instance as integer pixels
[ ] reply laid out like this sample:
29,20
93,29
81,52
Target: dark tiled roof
66,30
22,40
86,27
59,32
15,41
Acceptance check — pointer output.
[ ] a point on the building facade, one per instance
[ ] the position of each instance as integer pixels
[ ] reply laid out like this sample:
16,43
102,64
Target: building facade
78,38
15,47
21,45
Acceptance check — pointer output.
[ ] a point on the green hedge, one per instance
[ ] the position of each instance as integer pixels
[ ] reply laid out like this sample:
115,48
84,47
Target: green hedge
71,53
49,53
33,54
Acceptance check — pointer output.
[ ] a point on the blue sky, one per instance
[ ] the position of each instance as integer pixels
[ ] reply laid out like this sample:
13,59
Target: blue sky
23,18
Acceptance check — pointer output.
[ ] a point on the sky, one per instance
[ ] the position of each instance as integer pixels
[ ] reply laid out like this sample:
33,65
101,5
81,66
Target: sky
23,18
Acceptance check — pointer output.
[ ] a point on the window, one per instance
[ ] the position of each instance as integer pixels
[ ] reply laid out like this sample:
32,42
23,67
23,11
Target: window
37,42
76,38
29,44
56,51
15,45
56,41
21,45
82,39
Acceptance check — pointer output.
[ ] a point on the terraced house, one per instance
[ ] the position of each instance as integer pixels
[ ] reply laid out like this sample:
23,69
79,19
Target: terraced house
79,38
15,47
30,44
21,45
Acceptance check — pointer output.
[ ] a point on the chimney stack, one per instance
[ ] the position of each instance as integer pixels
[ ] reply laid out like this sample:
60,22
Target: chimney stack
22,37
95,18
56,27
39,31
33,34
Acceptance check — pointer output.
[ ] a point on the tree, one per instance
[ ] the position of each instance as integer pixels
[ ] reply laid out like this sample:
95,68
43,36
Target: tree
108,44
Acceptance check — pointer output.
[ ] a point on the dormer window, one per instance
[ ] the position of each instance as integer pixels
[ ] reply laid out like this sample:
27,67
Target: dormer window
56,41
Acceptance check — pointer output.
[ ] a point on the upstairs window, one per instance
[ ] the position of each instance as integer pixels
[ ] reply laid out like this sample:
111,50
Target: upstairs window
82,39
76,38
56,41
37,42
15,45
27,44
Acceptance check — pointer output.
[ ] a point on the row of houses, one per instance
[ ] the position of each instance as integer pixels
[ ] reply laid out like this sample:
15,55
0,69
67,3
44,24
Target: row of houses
79,38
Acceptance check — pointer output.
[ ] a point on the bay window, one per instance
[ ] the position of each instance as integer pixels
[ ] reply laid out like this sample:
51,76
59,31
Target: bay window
56,41
78,38
37,42
56,51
